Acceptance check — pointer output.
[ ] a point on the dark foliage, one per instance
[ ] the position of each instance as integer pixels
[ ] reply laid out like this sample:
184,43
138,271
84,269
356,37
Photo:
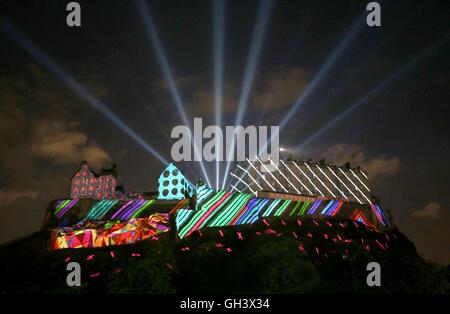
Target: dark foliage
274,256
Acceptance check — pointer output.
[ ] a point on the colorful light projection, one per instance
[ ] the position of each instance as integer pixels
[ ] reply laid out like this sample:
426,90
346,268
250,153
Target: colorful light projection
131,209
332,208
219,210
91,235
223,208
314,207
228,209
250,213
312,177
213,209
100,209
270,208
358,216
380,214
86,184
172,185
115,210
182,217
203,193
63,206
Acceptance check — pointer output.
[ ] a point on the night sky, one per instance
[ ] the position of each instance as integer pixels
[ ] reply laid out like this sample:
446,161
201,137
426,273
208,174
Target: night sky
395,78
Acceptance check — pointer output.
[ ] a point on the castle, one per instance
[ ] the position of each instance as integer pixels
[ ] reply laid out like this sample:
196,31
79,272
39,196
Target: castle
99,213
87,184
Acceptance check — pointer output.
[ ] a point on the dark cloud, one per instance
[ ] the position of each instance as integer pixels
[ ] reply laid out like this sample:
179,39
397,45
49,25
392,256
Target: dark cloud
58,142
430,211
41,145
280,88
10,197
197,96
377,167
276,89
163,85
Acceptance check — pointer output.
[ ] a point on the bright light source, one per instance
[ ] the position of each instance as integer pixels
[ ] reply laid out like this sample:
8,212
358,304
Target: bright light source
163,62
336,53
218,52
262,18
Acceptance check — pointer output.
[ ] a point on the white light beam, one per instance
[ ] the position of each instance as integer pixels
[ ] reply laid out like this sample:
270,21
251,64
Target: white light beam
218,52
163,63
259,31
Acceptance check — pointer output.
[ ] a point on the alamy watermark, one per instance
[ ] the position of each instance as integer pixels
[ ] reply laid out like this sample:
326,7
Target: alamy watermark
374,277
374,17
235,143
73,278
74,16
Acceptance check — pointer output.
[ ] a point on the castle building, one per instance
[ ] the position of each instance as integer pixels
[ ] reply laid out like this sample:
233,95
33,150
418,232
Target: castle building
172,185
100,214
87,184
305,178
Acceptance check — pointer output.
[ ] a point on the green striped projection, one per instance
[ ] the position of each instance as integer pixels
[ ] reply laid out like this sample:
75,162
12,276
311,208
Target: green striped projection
136,214
271,207
61,206
231,211
191,222
304,208
282,208
100,209
237,209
